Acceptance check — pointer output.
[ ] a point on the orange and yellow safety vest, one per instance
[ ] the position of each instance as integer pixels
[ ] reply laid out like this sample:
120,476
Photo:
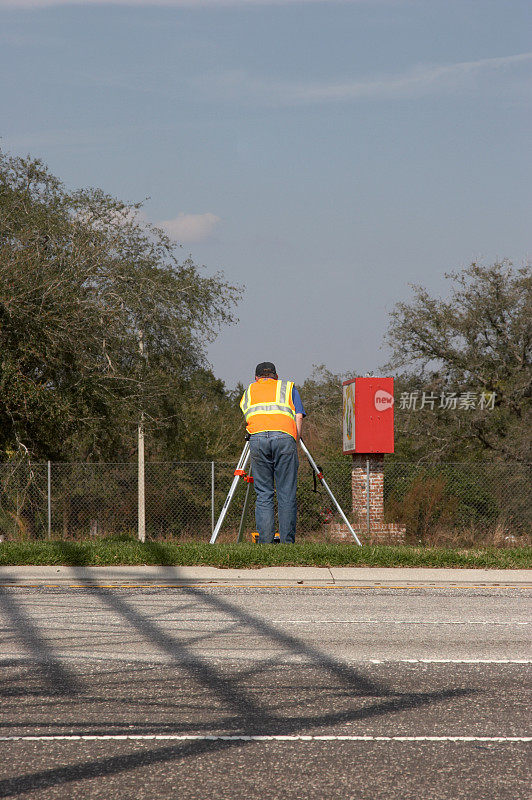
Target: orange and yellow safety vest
268,406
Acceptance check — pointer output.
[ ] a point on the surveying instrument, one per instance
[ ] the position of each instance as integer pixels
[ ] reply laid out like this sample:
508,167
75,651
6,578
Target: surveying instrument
240,472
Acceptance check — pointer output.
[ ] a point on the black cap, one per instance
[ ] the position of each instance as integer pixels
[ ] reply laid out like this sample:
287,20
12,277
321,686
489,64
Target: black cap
265,368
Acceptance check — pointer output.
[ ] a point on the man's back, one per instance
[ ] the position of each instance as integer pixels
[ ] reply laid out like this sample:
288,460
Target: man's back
267,405
274,414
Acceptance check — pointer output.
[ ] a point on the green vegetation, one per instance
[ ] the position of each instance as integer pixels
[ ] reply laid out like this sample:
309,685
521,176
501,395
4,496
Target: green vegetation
114,552
100,323
474,503
478,340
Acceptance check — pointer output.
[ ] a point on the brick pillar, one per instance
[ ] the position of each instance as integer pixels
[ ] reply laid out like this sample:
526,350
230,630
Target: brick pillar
376,487
379,530
358,487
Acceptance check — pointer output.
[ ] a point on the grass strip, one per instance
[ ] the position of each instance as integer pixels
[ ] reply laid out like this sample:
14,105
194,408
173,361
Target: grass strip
107,552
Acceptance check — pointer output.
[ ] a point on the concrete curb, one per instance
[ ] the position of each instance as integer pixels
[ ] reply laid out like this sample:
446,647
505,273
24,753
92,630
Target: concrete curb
265,576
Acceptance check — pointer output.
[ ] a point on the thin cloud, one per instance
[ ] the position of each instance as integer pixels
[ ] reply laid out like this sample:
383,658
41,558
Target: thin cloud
418,81
175,3
189,228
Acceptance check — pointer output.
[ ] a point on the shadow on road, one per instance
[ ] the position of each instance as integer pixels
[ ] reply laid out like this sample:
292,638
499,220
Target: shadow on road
244,710
59,679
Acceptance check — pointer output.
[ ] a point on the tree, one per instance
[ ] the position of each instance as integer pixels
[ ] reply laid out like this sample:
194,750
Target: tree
201,422
323,401
82,280
478,341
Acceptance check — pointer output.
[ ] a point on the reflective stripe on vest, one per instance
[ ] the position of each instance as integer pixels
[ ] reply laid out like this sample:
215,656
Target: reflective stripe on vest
268,405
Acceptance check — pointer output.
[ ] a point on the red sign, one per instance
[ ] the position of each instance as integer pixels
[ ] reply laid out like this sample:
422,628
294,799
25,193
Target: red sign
368,414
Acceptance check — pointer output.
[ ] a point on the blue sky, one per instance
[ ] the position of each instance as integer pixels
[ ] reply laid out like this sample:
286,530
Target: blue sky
323,154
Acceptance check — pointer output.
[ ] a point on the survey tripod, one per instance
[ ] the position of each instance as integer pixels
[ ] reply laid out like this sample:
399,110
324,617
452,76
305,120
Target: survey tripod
240,472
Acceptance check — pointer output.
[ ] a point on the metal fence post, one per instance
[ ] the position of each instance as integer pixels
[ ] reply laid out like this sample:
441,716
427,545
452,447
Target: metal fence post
212,497
141,532
368,524
49,500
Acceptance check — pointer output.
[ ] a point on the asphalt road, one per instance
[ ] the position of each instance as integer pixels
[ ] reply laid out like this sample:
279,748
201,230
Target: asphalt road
264,693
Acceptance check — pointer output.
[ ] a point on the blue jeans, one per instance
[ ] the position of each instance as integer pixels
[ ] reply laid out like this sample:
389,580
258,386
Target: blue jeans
274,459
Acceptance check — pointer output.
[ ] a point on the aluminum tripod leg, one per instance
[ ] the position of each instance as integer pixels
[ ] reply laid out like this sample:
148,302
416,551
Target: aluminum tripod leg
326,487
245,508
240,467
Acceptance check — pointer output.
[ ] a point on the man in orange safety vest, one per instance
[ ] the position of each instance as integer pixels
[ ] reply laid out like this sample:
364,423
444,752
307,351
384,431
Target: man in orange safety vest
274,417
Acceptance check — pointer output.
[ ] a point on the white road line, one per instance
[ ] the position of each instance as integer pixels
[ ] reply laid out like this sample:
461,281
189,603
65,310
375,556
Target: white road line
246,658
224,621
451,661
258,738
402,622
103,624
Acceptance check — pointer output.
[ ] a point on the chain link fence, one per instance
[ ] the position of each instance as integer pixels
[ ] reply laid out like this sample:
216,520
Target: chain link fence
466,503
